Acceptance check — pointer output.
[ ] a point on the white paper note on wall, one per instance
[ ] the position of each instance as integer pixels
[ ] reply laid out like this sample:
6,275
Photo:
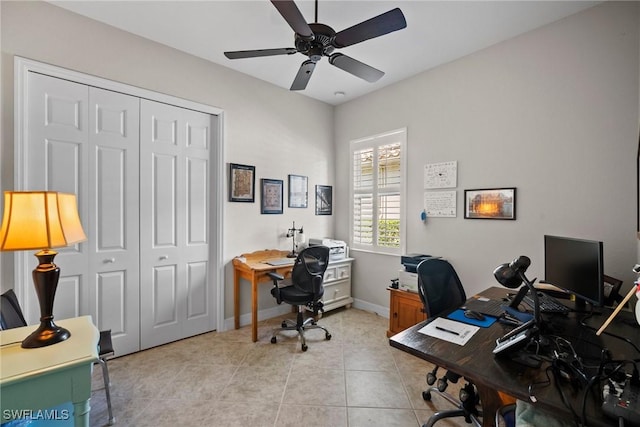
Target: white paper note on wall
440,203
441,175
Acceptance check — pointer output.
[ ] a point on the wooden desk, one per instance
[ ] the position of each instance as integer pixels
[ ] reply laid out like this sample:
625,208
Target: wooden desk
252,268
40,378
476,361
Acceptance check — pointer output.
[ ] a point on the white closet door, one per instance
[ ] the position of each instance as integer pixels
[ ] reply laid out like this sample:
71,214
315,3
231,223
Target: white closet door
56,159
174,236
199,302
113,231
141,171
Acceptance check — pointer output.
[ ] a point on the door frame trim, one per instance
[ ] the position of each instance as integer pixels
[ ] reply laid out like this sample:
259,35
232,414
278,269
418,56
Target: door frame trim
24,66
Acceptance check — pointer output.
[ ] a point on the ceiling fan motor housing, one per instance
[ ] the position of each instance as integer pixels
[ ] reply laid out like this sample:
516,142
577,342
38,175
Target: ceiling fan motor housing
320,45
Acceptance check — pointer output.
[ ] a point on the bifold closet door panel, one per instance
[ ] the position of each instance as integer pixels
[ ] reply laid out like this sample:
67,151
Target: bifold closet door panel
114,292
56,154
174,229
141,171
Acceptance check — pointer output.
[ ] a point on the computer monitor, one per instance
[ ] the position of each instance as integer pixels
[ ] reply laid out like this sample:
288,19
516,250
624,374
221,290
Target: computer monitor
575,266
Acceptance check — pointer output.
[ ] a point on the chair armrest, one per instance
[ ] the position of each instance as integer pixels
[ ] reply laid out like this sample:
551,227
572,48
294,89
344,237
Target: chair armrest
275,291
275,276
316,305
317,284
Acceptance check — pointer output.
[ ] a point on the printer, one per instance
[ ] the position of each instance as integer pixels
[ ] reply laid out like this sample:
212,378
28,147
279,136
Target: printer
408,276
337,248
411,261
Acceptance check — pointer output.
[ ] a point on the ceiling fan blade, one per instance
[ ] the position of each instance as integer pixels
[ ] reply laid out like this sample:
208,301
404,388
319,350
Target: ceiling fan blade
239,54
386,23
303,76
294,18
355,67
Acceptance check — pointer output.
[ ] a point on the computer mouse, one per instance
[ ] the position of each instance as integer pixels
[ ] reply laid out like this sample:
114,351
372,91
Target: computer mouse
471,314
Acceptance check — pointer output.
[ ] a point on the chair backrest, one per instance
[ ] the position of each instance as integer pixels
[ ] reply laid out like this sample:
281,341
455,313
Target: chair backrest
10,312
308,269
439,286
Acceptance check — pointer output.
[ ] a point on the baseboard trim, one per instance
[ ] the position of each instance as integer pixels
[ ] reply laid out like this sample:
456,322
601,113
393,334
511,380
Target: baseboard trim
245,319
374,308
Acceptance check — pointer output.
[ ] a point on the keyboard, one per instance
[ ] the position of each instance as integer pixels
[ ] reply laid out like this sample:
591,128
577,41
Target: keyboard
489,307
548,304
280,261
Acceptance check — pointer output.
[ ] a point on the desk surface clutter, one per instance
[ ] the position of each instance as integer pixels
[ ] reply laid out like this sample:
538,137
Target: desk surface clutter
459,316
571,337
449,330
280,261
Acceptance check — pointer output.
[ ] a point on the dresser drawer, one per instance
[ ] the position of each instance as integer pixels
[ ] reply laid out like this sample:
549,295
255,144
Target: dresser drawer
336,291
338,272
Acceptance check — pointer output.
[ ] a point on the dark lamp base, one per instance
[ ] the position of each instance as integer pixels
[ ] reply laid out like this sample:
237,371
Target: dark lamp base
48,333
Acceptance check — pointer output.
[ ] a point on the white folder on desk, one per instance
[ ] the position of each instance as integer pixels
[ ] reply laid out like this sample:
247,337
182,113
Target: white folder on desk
449,330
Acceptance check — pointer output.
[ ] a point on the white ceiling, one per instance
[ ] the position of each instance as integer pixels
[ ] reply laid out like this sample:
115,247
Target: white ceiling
437,32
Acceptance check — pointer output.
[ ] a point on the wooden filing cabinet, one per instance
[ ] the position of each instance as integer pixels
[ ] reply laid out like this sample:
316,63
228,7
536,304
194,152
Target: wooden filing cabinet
405,310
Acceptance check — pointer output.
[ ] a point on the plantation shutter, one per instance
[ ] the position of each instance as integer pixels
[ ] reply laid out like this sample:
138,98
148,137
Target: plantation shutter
377,185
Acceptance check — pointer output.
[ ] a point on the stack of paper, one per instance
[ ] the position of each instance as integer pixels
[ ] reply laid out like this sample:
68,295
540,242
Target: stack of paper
449,330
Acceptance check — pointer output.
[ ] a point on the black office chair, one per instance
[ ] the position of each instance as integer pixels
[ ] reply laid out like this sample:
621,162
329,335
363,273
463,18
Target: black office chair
10,312
11,317
441,292
303,289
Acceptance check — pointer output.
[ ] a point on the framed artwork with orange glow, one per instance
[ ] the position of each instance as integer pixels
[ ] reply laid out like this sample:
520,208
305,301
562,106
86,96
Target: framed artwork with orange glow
490,203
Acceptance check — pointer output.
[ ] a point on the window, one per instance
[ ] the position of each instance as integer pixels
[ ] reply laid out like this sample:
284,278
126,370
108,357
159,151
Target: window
377,192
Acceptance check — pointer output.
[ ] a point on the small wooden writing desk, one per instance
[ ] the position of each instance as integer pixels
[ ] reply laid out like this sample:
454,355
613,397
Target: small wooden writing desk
33,379
252,268
476,361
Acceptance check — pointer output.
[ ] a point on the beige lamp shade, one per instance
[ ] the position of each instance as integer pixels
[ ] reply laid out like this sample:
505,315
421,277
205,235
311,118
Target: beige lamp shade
39,220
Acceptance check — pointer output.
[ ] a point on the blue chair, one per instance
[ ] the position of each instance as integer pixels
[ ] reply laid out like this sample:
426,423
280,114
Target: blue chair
506,416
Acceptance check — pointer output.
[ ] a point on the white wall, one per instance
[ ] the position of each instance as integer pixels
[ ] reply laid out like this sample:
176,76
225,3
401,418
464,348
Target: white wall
277,131
553,112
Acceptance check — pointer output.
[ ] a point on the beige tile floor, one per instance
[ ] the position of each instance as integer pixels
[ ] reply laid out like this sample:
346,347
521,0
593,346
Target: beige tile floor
223,379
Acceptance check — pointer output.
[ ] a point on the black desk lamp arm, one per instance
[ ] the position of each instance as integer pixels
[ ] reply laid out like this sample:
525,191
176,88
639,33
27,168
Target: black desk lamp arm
535,322
534,296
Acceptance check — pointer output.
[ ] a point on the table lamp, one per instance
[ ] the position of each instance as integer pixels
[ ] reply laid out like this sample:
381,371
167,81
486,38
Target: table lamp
41,220
292,233
511,275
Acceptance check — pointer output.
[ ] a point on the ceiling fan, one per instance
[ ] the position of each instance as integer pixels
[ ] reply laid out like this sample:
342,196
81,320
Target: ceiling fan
317,40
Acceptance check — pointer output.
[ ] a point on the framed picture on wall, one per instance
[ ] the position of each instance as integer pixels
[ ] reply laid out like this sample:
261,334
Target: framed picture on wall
491,203
271,196
324,199
242,182
298,194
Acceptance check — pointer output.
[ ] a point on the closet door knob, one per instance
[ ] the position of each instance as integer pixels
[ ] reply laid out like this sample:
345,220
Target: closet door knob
163,257
109,260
